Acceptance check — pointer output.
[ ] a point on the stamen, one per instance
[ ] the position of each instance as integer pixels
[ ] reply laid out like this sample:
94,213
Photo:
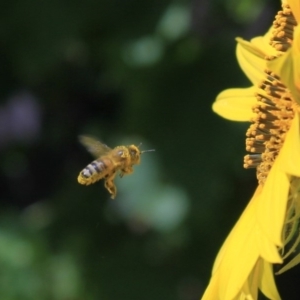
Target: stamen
282,35
265,136
252,160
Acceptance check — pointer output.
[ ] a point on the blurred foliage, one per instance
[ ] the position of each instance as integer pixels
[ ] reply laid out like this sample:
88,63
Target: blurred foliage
128,72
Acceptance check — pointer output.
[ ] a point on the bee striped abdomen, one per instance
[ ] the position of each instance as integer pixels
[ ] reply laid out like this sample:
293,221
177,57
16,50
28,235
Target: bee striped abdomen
92,172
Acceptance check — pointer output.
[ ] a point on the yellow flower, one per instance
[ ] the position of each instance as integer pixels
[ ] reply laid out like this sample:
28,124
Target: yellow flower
266,233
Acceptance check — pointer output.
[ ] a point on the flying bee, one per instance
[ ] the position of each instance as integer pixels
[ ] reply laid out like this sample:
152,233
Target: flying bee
108,163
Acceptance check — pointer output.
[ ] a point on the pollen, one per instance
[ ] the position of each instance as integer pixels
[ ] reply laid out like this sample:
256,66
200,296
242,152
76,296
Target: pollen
283,28
274,111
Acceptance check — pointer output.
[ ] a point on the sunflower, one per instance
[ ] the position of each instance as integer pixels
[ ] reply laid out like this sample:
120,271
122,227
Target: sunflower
267,232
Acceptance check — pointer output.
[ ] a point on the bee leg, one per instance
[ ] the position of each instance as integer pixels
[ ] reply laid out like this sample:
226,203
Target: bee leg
126,171
110,185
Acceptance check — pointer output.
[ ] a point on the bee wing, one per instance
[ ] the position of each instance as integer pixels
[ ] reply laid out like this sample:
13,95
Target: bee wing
95,147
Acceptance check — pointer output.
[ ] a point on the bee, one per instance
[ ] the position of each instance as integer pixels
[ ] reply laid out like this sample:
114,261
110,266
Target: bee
108,163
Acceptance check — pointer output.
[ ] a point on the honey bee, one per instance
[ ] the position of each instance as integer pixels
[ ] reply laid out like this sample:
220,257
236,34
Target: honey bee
108,163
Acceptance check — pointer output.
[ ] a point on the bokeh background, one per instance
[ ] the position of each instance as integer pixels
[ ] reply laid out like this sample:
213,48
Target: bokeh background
126,71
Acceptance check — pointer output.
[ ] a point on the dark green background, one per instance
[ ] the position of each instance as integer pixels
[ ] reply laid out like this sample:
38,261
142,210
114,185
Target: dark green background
126,71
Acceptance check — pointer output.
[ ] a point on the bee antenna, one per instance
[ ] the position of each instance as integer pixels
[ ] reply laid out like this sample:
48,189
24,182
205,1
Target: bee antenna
140,144
151,150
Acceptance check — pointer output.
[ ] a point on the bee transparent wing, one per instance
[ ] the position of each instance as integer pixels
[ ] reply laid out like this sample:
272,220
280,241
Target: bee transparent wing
95,147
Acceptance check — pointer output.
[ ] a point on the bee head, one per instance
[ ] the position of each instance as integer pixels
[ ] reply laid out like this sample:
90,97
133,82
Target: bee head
135,154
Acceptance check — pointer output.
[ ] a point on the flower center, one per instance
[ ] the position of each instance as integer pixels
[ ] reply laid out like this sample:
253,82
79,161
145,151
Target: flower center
275,108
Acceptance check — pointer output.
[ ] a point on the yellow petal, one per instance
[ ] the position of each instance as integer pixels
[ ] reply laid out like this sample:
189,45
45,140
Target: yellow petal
251,61
296,57
244,296
261,277
236,258
262,43
238,263
235,104
295,6
290,152
267,284
224,246
296,41
212,290
267,248
250,288
236,272
272,203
